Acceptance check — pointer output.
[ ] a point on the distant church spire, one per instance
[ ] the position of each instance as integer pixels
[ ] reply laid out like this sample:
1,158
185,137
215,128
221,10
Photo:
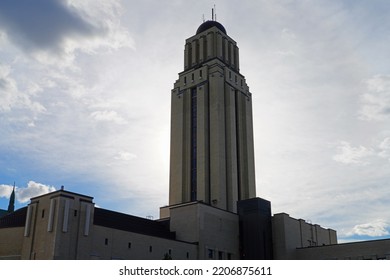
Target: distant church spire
11,205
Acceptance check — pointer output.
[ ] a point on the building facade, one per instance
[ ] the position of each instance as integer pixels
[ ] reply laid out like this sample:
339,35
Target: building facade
212,150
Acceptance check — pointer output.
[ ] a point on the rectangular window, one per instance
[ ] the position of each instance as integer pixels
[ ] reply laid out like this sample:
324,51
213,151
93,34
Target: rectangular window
192,76
43,213
75,213
185,79
106,241
188,255
129,245
210,253
150,249
200,74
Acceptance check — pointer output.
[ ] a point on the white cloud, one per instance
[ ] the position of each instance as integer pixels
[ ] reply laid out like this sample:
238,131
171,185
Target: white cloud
5,191
24,194
384,147
33,189
374,229
110,116
376,101
125,156
11,97
352,155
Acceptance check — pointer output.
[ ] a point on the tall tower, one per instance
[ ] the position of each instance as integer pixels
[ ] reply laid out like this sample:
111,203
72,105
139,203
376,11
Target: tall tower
212,153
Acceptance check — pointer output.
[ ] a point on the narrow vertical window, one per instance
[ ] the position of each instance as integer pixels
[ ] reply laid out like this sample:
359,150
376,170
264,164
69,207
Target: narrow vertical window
43,213
200,74
193,144
106,241
210,253
129,245
150,249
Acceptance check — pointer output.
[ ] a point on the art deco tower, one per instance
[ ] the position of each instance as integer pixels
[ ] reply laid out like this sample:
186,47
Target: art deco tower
212,153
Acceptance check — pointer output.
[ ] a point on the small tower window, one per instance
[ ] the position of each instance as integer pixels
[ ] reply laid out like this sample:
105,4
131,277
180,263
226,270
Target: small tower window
129,245
200,74
43,213
185,79
150,249
192,77
106,241
210,253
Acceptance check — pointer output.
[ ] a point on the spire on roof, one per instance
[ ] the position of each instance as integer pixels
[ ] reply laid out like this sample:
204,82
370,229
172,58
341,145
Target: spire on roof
11,205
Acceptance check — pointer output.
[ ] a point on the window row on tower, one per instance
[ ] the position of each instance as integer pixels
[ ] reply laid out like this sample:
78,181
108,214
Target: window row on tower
210,46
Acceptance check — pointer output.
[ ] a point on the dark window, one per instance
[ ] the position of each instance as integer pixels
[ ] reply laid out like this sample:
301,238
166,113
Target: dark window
192,76
170,251
43,213
185,79
150,249
193,144
188,255
106,241
75,213
229,256
210,253
220,255
200,73
129,245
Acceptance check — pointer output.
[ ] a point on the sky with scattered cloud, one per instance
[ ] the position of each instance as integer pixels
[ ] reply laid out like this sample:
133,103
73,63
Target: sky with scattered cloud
85,102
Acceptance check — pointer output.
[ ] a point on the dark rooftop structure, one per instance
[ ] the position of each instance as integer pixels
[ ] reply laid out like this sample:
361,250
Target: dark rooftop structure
209,24
116,220
14,219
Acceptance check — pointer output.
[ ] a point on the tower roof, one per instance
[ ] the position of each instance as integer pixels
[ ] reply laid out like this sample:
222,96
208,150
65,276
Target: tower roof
209,24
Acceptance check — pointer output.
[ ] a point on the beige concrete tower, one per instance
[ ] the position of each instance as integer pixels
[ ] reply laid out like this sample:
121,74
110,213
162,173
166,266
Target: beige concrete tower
212,153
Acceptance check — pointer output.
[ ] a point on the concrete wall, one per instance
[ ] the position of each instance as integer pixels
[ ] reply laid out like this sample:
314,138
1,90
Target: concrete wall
11,242
110,243
214,230
56,226
367,250
290,234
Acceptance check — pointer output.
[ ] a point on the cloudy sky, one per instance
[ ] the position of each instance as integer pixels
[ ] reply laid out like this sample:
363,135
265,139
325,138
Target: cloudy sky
85,102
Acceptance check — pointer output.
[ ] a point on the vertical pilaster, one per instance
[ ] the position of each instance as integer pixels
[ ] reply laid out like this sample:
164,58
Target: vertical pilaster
203,152
176,175
231,149
217,141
